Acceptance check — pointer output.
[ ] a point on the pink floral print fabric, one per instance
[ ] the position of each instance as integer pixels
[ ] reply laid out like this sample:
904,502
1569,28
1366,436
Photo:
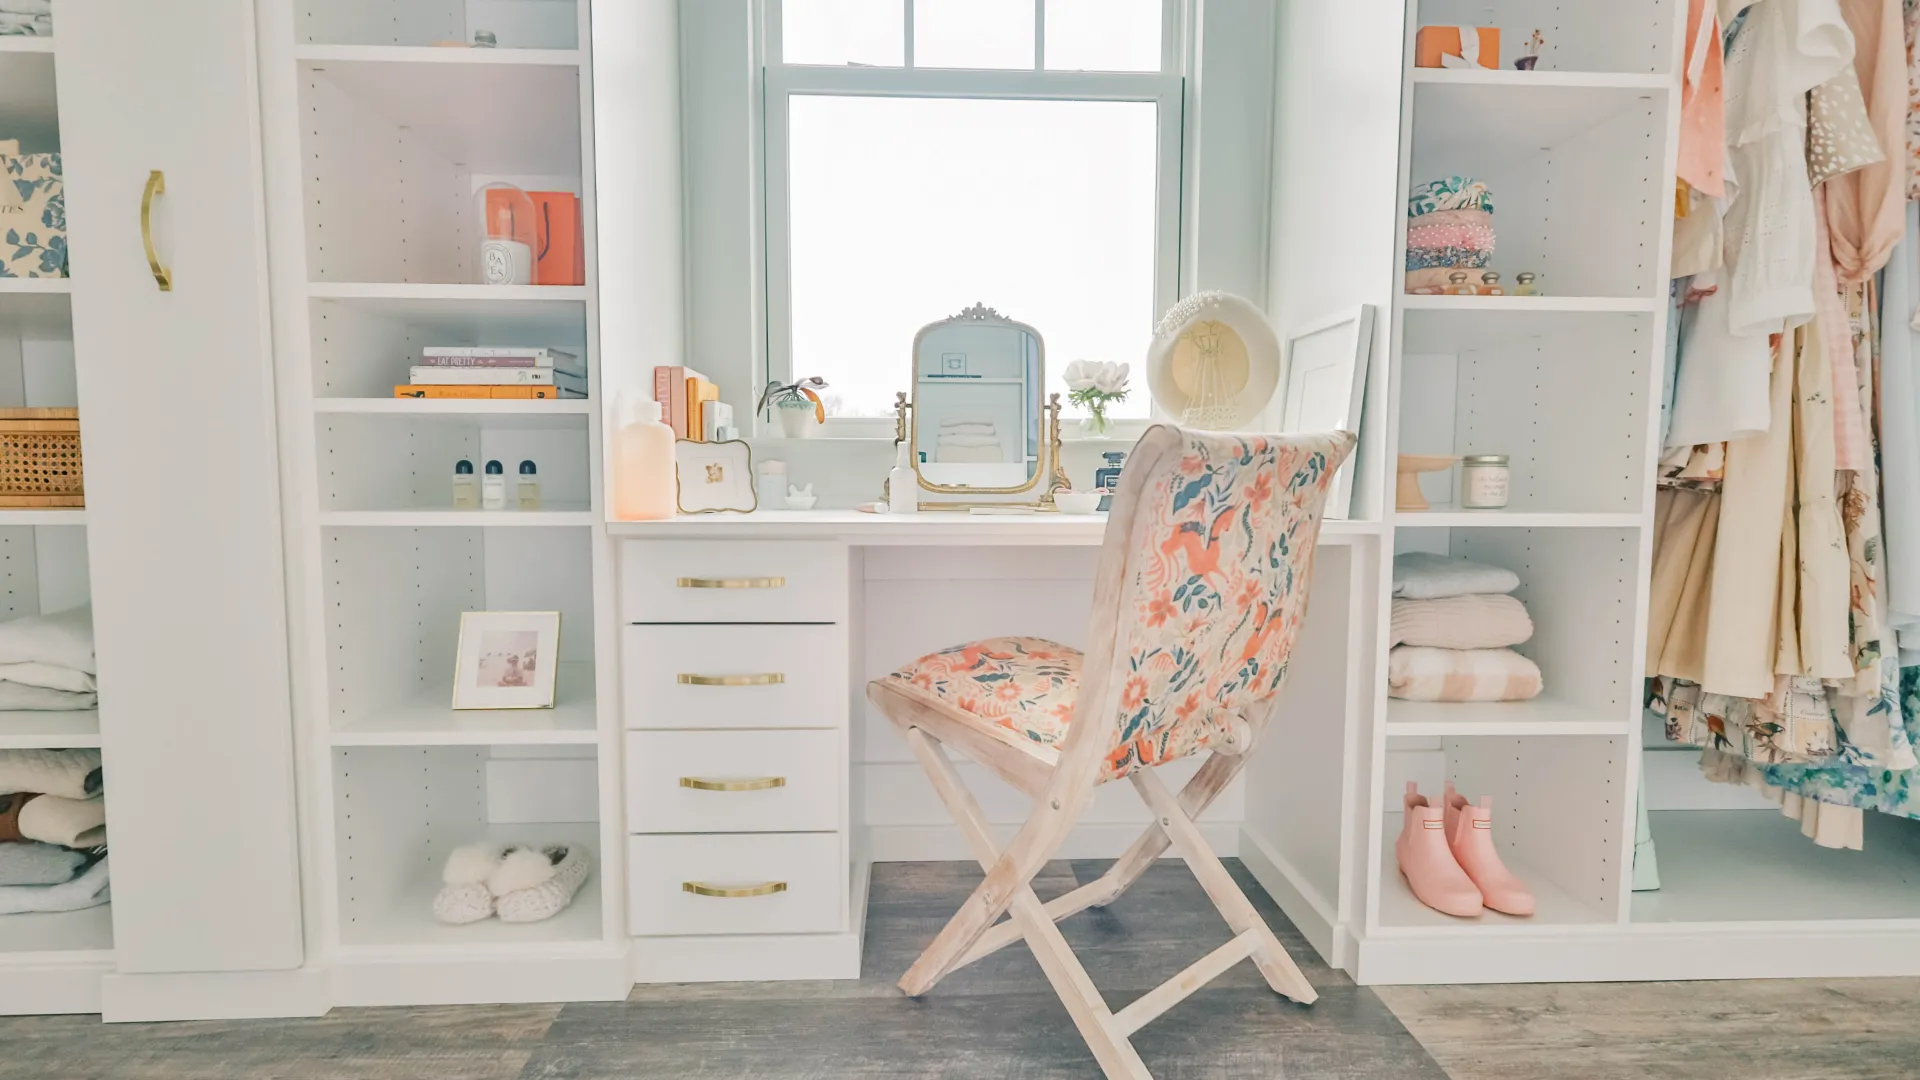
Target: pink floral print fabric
1210,612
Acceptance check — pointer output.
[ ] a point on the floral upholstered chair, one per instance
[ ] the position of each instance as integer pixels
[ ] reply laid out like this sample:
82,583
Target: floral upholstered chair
1200,592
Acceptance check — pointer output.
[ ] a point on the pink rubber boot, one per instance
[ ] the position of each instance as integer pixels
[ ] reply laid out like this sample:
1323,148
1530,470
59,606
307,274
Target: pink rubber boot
1469,832
1427,864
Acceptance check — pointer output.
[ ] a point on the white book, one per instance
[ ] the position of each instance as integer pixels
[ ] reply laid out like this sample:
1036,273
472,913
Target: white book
494,376
537,352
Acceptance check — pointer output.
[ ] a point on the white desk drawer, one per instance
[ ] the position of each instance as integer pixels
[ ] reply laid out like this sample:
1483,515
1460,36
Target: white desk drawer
734,676
742,581
724,781
795,883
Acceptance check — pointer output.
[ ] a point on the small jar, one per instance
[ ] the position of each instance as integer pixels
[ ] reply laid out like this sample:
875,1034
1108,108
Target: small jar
1457,284
1525,284
1490,284
770,484
1483,482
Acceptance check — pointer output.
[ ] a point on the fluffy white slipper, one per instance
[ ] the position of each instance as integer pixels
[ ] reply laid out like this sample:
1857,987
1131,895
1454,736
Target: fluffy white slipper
523,868
472,864
465,898
570,865
462,904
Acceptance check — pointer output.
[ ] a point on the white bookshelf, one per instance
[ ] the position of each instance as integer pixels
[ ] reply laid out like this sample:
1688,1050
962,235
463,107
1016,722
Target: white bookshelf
378,141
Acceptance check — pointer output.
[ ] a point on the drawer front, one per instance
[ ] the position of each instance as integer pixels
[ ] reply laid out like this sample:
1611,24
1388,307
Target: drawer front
809,866
696,581
734,676
734,781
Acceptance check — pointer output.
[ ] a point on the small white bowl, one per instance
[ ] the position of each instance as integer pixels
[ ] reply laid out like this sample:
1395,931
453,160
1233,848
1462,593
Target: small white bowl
801,502
1077,502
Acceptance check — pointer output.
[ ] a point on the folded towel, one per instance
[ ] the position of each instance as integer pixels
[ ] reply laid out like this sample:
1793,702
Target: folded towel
76,823
969,440
1418,575
1453,193
970,455
87,890
965,421
27,7
16,697
70,774
1415,673
1488,621
968,429
1452,258
1432,234
64,639
48,677
25,25
28,863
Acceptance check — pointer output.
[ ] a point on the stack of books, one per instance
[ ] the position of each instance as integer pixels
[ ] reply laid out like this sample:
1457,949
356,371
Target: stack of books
690,404
471,371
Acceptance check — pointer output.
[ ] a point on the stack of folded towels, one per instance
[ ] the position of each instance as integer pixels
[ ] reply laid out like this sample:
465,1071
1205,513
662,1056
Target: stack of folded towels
969,441
32,18
46,662
1453,623
53,831
1449,228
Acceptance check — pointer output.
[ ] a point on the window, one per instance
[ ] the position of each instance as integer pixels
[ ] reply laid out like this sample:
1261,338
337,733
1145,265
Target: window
926,155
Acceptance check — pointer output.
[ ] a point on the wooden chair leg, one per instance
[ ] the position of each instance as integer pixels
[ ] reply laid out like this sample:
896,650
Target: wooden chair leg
1206,785
1269,956
1096,1023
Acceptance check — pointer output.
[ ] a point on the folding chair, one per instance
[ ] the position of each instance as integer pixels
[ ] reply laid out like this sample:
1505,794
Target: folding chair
1199,595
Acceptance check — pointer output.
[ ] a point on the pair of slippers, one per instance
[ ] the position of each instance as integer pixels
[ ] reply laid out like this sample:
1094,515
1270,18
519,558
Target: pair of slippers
519,884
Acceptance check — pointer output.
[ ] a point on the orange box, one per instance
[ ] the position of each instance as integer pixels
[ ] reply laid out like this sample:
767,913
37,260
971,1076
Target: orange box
477,393
1435,42
560,257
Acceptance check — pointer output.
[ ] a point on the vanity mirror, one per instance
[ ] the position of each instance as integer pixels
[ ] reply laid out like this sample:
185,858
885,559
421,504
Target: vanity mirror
979,426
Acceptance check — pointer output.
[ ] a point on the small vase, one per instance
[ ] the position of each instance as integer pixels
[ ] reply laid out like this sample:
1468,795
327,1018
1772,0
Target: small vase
1096,425
797,423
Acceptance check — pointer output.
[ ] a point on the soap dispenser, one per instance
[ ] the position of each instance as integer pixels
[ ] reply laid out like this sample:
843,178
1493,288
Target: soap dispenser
466,487
903,487
528,489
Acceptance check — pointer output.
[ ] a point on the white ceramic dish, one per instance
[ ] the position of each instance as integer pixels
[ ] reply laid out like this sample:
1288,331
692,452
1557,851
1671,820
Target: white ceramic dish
1077,502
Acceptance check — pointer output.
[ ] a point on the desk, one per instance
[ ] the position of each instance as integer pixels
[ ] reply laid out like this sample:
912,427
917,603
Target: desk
747,642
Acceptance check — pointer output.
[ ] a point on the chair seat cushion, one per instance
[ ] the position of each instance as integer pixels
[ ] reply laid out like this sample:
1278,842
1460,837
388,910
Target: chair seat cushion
1019,689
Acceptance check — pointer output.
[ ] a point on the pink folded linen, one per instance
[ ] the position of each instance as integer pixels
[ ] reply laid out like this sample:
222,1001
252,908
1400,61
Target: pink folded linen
1418,673
1487,621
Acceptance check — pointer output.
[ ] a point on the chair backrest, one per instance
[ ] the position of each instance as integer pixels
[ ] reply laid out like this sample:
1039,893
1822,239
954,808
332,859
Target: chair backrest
1201,591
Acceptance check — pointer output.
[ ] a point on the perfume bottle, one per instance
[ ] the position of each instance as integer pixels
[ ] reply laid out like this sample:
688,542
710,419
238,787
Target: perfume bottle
527,491
493,487
1490,285
1457,284
1524,284
1107,477
466,489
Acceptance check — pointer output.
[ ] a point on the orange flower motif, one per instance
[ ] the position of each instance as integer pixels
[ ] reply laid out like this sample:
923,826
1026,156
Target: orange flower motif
923,680
1260,491
1193,465
1135,693
1160,609
1008,691
1187,708
1247,593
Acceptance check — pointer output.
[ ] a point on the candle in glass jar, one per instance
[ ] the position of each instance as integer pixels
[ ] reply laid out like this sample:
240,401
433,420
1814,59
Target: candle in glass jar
1483,482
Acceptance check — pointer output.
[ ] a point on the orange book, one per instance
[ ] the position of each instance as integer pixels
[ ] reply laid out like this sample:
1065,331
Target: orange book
1435,42
699,392
477,393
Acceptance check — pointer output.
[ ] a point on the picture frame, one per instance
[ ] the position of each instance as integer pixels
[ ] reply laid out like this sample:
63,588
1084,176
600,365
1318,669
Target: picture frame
506,660
714,477
1325,386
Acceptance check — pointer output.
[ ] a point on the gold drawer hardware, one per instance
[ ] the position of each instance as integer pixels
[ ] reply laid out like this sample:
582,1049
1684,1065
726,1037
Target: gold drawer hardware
156,185
700,888
731,583
771,679
765,783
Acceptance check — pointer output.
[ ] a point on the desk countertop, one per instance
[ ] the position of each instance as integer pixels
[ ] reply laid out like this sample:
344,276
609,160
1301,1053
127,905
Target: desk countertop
927,528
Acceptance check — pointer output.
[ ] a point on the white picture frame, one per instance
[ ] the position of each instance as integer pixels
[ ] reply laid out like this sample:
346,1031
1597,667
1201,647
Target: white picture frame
1324,387
506,660
714,477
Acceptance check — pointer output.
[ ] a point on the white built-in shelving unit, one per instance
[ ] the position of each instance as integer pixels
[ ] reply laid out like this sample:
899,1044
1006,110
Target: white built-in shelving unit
377,144
49,962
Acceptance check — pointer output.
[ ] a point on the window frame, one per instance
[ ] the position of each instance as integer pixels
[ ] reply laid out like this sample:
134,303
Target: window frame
780,82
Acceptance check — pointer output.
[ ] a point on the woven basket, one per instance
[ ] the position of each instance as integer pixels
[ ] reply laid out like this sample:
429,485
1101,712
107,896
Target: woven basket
40,458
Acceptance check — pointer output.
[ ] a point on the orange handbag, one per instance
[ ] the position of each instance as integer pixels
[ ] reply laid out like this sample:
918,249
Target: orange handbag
1435,42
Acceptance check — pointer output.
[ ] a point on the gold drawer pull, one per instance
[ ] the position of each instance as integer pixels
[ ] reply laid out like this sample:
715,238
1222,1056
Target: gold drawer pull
731,583
156,185
770,679
765,783
701,888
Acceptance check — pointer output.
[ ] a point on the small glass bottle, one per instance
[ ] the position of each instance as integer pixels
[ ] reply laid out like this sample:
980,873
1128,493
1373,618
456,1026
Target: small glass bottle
493,487
527,491
1490,284
1484,482
1107,477
466,489
1457,284
1524,284
770,484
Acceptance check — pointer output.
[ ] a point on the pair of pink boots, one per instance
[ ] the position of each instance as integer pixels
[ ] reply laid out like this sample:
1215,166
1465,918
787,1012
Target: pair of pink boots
1449,860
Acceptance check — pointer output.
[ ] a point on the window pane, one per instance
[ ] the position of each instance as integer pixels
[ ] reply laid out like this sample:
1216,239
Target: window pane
973,33
870,32
1103,35
905,210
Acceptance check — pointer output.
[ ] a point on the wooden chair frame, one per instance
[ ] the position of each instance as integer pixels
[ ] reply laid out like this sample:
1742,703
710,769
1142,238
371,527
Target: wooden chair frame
1062,784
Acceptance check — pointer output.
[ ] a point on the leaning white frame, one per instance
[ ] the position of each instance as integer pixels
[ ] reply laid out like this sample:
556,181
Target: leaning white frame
780,81
1362,318
545,676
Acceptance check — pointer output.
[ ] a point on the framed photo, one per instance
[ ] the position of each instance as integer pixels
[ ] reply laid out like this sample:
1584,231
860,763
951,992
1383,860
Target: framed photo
716,477
1326,386
506,660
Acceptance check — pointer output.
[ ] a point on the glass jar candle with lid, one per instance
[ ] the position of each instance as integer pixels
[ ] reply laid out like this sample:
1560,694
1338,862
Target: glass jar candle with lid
1484,482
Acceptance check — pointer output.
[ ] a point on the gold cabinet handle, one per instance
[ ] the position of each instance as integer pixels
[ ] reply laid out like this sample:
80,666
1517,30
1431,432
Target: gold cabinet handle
701,888
774,678
764,783
156,185
731,583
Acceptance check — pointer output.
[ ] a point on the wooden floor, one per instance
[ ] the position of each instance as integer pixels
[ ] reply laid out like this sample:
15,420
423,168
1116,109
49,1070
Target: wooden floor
999,1019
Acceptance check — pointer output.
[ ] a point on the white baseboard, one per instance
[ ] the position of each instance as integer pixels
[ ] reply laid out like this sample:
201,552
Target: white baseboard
943,843
599,974
1310,912
58,986
214,995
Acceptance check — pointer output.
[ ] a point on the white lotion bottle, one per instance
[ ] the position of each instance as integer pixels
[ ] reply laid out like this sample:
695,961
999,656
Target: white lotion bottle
903,486
493,487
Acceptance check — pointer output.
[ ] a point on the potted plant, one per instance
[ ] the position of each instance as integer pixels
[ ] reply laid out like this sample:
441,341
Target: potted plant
797,405
1094,385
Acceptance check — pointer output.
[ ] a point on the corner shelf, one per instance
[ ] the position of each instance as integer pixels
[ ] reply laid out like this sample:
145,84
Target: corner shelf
1512,519
1508,78
563,515
531,407
1541,716
1518,305
429,720
432,298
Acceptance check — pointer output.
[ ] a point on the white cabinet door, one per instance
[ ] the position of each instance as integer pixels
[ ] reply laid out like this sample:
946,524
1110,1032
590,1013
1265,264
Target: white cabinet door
183,490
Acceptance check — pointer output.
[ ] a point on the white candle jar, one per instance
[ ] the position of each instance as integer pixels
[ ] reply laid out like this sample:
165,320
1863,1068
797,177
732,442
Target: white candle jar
1484,482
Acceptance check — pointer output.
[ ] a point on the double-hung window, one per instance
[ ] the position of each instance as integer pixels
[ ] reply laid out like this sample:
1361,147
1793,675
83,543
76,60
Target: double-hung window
925,155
